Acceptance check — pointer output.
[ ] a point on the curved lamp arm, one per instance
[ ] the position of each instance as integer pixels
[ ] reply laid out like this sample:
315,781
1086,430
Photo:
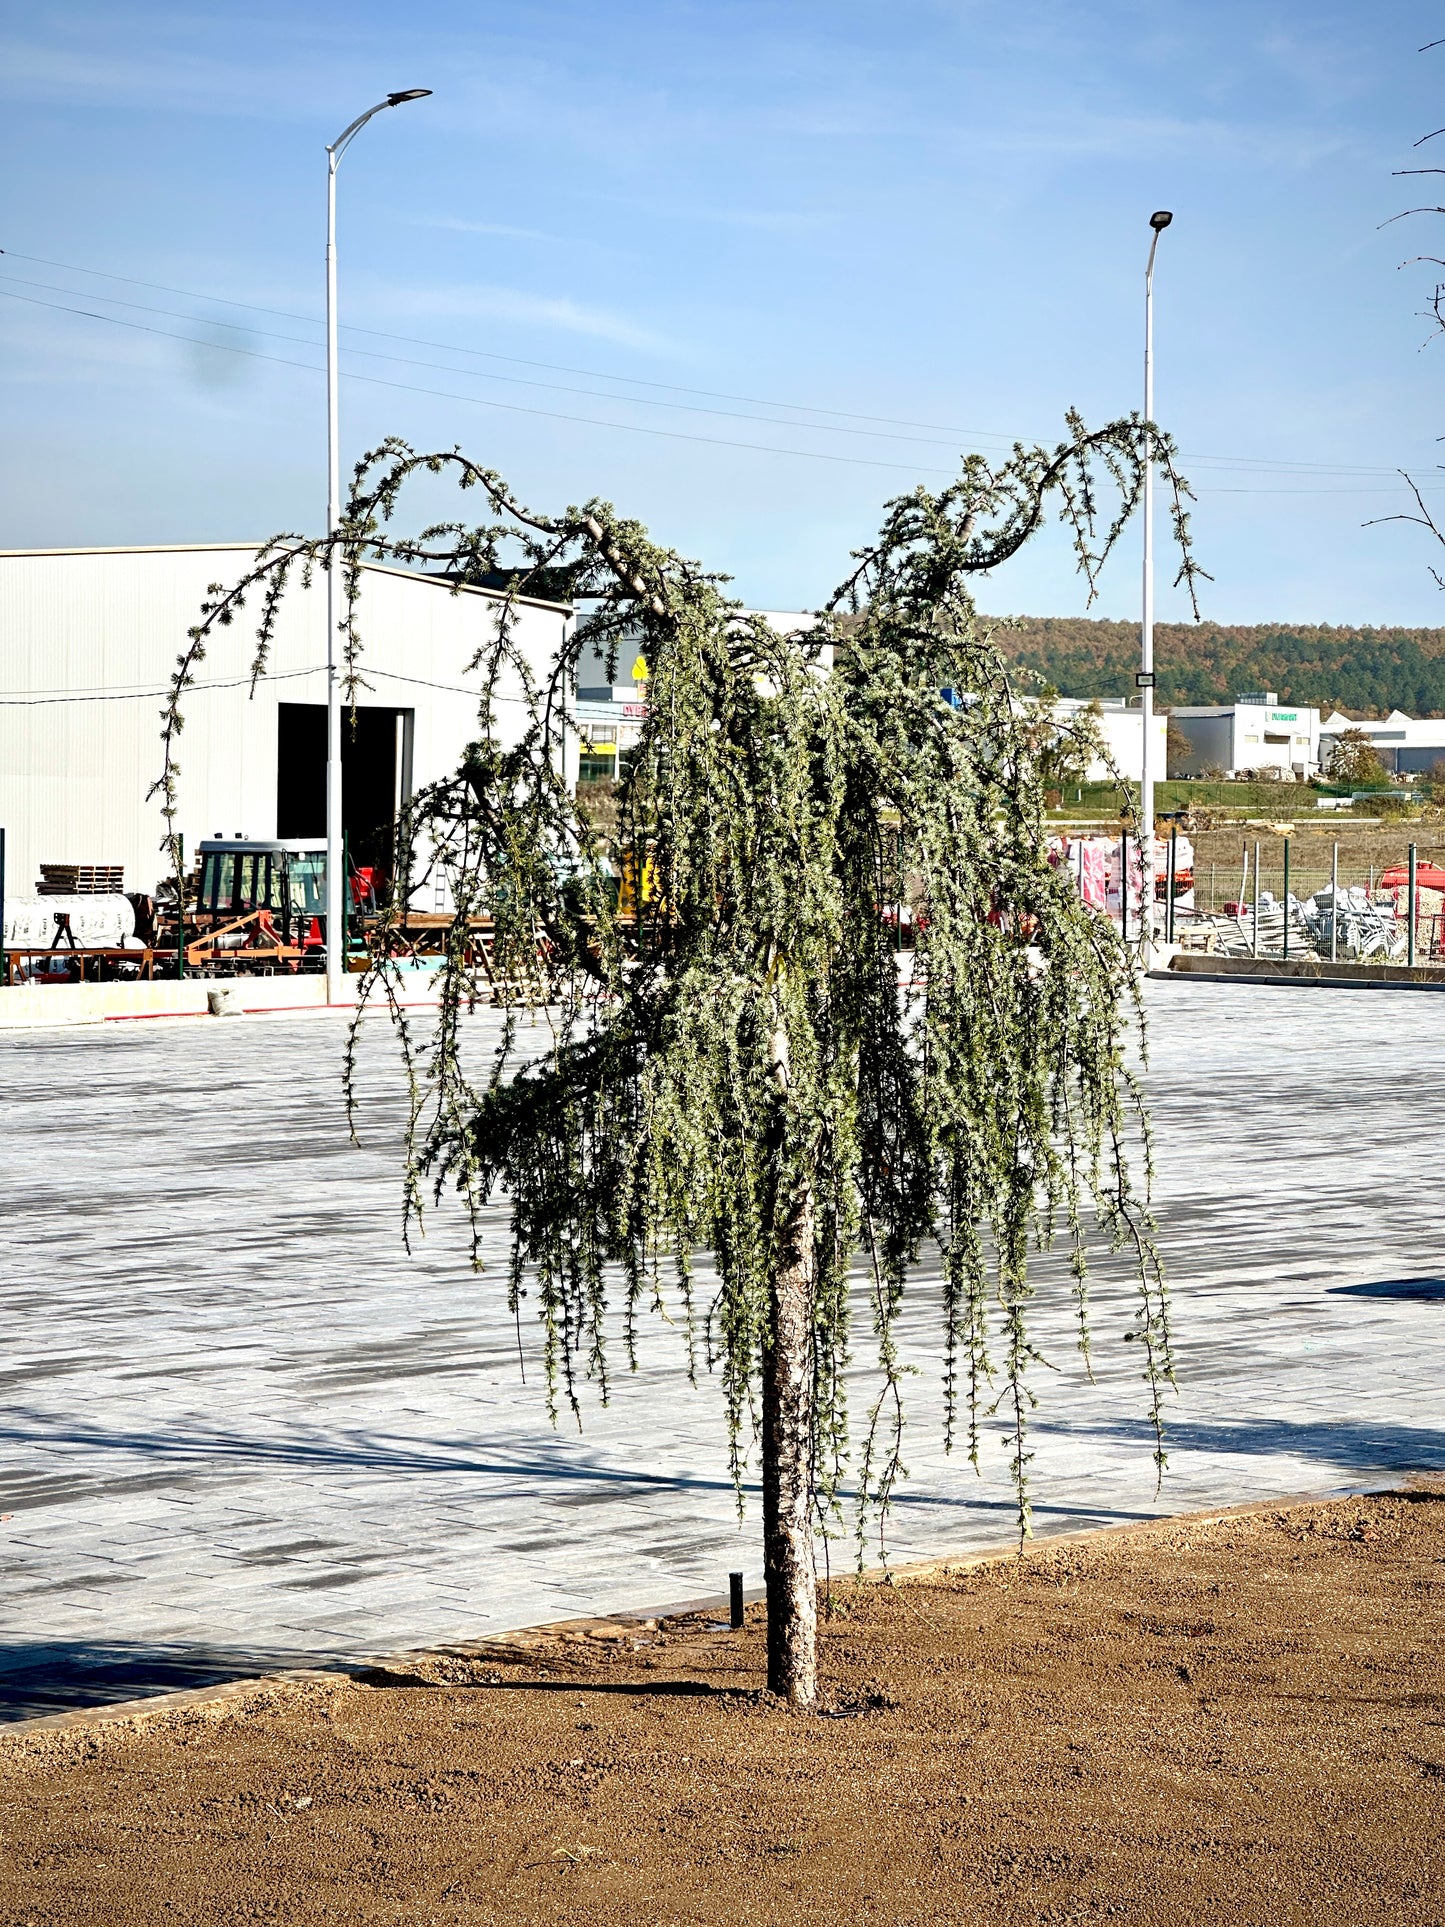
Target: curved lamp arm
344,139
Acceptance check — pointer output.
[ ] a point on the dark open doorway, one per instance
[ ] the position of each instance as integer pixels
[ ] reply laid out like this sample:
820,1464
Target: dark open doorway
375,777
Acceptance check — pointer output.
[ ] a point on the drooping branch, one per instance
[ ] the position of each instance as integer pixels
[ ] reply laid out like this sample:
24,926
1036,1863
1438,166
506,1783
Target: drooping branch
931,543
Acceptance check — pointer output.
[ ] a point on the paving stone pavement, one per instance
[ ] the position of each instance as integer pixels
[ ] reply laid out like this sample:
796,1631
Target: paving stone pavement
242,1427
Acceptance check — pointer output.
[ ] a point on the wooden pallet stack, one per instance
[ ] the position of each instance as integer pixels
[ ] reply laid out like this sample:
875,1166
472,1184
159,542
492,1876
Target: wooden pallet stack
80,880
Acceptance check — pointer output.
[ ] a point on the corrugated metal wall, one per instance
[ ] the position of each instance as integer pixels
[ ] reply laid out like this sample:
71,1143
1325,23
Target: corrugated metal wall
88,641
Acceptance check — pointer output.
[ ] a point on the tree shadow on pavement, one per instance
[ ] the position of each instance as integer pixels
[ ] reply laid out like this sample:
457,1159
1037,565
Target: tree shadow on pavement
1347,1445
39,1678
1428,1291
367,1452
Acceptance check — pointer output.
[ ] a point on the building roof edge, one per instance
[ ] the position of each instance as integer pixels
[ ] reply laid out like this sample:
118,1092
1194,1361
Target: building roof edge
239,548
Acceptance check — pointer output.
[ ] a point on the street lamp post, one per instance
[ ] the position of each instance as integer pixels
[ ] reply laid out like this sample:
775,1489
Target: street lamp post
1145,678
335,882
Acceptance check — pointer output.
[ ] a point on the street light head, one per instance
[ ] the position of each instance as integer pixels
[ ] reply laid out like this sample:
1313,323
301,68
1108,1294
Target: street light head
1161,220
413,93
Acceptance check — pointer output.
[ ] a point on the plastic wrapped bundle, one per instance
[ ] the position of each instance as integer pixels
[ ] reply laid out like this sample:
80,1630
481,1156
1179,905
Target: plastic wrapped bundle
98,922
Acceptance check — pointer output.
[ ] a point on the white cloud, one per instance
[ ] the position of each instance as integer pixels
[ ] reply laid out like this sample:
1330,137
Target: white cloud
492,303
455,225
169,77
761,220
1125,136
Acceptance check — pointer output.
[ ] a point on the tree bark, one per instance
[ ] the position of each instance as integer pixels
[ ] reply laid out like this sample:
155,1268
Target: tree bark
788,1569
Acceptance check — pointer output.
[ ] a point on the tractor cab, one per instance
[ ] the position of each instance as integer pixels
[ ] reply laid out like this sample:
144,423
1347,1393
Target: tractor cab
306,877
258,904
237,878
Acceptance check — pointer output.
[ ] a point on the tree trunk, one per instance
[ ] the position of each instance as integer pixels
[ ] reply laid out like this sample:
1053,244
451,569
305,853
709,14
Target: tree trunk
787,1464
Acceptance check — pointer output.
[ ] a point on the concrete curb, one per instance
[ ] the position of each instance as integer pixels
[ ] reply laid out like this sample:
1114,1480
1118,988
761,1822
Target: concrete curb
916,1572
1272,973
65,1006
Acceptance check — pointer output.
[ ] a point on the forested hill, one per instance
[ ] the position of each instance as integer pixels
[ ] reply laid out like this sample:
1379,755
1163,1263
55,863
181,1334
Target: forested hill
1367,671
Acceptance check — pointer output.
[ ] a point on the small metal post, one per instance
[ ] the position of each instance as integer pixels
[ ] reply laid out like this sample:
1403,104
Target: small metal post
1286,899
1254,922
4,953
735,1601
180,909
1335,904
1124,886
1410,947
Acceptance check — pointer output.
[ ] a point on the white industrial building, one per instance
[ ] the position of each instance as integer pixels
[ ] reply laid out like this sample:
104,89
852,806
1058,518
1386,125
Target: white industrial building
1121,725
1406,745
91,637
1253,732
610,715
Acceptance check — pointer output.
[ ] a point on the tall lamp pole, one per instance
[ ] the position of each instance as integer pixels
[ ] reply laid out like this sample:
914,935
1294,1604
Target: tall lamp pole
335,882
1145,678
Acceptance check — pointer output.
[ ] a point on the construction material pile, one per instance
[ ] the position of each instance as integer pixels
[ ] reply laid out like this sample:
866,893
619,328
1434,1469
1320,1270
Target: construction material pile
1357,928
1109,871
80,879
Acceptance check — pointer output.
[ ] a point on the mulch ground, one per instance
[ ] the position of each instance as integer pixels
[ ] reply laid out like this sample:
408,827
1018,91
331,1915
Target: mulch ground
1237,1720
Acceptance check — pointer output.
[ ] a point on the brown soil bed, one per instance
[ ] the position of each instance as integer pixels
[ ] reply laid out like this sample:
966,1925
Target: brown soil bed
1236,1720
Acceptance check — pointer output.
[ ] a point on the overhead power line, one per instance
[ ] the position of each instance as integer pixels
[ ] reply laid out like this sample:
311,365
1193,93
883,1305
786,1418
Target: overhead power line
1241,464
478,374
515,361
143,695
477,401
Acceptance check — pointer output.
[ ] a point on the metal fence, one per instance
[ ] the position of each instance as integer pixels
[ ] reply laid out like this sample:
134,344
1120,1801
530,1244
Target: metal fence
1271,904
1268,902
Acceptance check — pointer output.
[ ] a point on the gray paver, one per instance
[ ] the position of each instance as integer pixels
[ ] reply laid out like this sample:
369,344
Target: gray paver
230,1391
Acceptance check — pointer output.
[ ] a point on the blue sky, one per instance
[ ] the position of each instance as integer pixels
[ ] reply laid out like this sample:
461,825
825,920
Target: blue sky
926,216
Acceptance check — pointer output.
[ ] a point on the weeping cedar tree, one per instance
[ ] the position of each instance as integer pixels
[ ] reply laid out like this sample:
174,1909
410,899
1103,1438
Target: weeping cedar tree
737,1103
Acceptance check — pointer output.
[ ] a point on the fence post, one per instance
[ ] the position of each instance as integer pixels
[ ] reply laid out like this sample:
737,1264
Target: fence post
1254,920
1335,904
180,909
1123,886
898,886
346,899
1410,947
1286,899
1173,872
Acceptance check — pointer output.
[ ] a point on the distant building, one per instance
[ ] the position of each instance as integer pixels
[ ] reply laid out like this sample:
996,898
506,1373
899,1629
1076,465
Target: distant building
610,714
1121,725
91,636
1252,732
1406,746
